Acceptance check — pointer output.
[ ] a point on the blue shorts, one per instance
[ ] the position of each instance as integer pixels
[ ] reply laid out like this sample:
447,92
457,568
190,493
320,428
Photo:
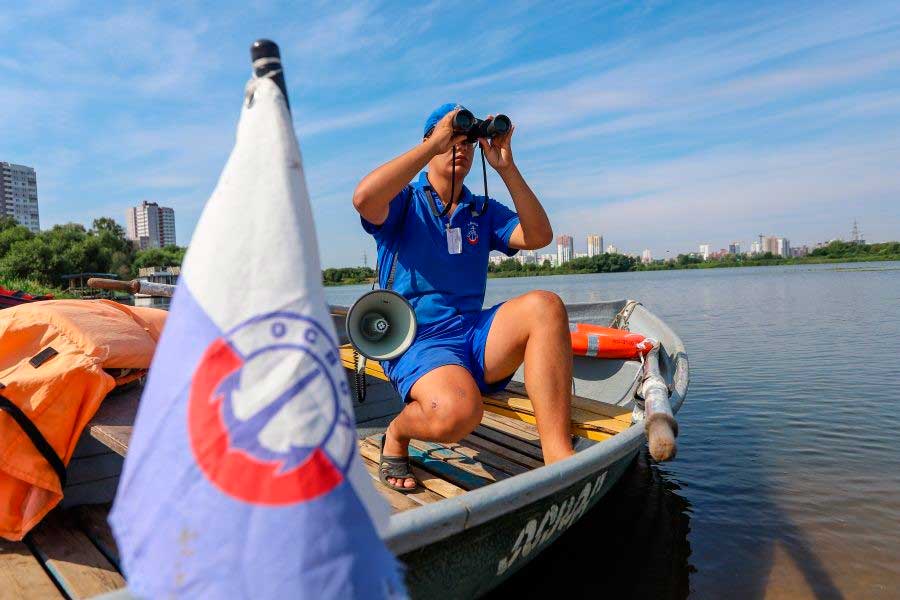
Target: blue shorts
457,341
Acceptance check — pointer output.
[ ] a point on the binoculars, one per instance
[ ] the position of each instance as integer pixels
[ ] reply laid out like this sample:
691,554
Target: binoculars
474,128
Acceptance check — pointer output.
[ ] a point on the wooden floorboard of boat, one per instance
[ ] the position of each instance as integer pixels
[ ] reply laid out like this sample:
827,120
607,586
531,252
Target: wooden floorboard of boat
502,438
21,574
73,560
448,465
93,519
480,443
429,481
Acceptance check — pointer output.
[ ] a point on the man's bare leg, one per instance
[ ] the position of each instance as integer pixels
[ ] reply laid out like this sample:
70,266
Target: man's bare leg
445,406
534,327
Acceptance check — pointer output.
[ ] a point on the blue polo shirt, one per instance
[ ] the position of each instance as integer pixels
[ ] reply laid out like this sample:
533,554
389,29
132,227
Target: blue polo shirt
440,285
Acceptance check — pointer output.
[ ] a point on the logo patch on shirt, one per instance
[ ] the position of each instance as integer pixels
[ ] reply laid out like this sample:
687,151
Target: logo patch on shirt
472,233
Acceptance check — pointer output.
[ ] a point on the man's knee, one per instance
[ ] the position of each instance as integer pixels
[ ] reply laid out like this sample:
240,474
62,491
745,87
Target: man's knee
547,307
454,413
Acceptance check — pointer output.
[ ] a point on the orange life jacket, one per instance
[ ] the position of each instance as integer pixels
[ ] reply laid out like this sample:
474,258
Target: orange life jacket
54,362
605,342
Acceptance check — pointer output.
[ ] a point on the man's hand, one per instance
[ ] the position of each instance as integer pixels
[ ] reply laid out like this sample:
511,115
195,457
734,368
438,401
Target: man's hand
443,138
498,151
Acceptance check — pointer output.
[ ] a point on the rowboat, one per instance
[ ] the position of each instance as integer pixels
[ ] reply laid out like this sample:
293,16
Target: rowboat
10,298
488,504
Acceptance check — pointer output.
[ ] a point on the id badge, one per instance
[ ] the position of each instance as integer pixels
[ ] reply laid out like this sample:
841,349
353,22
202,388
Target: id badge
454,241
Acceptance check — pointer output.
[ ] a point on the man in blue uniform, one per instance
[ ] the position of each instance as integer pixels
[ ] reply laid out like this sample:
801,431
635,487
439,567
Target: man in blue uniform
460,350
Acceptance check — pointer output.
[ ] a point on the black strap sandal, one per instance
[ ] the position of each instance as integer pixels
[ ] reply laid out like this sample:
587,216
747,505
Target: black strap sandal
396,467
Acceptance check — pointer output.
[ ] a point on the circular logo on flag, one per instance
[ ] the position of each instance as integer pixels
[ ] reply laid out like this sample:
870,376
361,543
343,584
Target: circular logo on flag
265,416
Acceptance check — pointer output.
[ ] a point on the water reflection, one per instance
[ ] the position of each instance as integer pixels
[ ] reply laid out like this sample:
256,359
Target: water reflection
633,544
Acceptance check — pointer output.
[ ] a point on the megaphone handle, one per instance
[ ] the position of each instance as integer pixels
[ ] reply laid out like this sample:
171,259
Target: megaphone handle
359,376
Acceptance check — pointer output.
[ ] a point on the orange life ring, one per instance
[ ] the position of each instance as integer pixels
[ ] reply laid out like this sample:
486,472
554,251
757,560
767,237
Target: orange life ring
597,341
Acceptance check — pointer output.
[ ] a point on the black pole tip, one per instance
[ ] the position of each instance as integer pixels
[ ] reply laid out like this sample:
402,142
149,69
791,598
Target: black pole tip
264,49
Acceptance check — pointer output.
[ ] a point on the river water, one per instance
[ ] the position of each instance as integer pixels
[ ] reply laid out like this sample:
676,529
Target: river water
787,480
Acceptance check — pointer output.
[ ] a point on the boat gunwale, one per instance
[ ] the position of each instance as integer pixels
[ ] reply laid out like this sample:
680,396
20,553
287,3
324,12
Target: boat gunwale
413,529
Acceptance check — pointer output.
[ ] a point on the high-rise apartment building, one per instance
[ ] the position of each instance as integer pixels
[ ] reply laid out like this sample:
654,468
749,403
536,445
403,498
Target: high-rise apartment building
18,195
783,247
150,225
776,245
594,245
647,257
734,248
704,251
611,249
565,249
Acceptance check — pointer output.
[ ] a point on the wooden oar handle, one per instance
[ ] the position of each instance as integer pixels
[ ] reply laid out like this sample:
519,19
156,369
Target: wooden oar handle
114,284
661,437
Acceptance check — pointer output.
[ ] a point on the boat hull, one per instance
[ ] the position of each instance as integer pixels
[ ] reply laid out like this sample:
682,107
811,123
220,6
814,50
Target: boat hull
476,560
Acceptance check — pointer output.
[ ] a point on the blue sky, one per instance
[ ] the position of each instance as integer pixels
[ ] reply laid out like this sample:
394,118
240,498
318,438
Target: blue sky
659,125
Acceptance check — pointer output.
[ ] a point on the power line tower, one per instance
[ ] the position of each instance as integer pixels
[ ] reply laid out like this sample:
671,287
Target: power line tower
365,259
854,233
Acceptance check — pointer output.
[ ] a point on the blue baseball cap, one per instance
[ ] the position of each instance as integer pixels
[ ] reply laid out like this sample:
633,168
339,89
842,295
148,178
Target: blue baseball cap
437,114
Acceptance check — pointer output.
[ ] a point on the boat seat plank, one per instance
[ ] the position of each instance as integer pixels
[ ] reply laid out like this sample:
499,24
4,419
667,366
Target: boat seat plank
584,423
442,488
93,521
514,427
601,408
76,564
112,424
21,574
447,465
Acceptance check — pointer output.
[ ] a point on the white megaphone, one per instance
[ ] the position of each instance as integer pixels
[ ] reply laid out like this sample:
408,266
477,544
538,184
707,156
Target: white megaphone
381,325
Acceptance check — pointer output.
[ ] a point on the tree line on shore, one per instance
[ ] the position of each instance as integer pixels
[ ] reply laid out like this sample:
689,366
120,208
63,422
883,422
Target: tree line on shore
36,262
616,263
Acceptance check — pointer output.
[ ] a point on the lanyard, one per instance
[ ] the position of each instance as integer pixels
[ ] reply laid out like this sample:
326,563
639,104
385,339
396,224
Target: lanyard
440,214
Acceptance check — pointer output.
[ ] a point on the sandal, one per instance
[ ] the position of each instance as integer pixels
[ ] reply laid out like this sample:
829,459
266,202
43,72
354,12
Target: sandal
396,467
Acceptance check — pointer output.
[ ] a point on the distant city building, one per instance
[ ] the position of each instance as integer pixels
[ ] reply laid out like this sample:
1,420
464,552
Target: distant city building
783,247
800,251
594,245
612,249
565,249
734,248
150,225
768,243
496,258
527,257
18,195
551,258
704,251
646,257
755,248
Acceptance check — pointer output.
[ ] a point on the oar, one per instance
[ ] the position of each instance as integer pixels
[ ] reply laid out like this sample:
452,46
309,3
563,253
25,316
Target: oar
659,422
135,286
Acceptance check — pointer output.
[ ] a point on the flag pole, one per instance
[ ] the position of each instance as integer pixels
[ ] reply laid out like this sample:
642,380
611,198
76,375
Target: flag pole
266,58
